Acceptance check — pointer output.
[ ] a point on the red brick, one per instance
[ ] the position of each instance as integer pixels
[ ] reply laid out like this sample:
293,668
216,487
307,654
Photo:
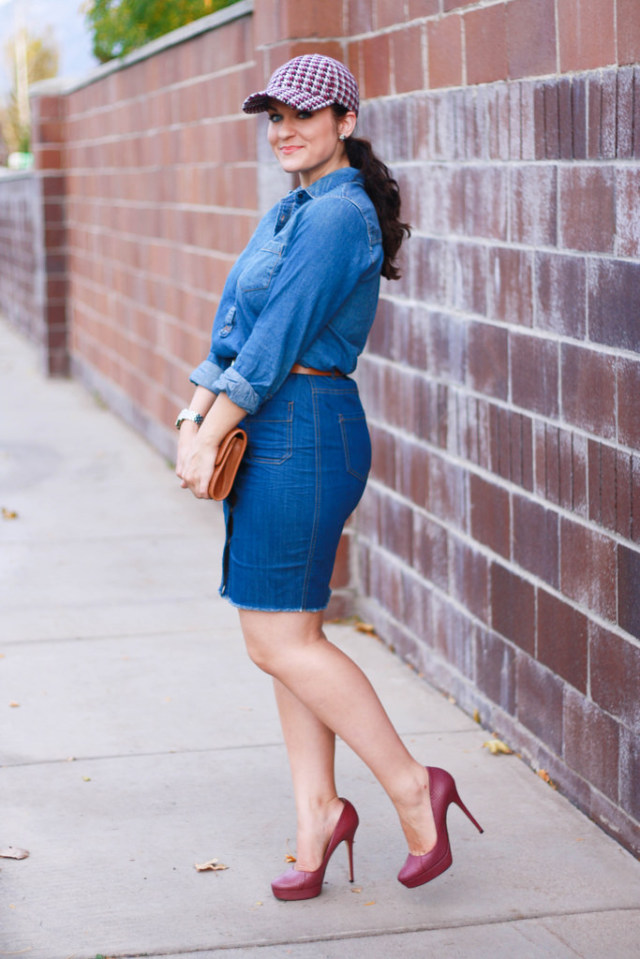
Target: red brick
495,670
469,578
431,552
531,37
468,292
628,405
490,520
587,209
376,59
488,360
307,18
447,492
406,50
540,702
562,639
533,208
535,374
586,34
446,344
615,674
603,485
629,590
428,269
486,202
513,607
412,471
445,52
591,743
602,115
630,777
421,8
628,31
627,219
396,529
511,273
589,390
456,4
588,569
359,15
486,44
388,13
560,294
613,297
624,113
449,625
535,539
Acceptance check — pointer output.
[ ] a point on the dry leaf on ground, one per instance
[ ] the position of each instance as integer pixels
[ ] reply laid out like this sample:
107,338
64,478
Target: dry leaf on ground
366,628
9,513
13,853
211,866
547,778
496,746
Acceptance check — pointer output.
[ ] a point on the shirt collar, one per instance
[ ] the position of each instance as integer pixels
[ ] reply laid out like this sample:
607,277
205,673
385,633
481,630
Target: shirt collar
329,182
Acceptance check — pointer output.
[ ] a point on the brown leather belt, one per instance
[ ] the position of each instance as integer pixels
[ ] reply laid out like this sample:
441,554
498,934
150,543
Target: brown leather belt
310,371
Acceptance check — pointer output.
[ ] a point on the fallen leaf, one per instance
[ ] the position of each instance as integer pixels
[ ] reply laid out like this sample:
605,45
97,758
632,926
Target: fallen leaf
212,866
9,513
366,628
290,858
11,853
546,777
496,746
357,889
86,779
372,902
476,715
14,704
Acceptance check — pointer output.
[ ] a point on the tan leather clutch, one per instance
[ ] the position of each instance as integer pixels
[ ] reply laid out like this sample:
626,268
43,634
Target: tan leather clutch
230,453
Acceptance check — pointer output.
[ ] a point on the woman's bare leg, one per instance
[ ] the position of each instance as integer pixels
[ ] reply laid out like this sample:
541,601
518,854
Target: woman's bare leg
292,647
311,750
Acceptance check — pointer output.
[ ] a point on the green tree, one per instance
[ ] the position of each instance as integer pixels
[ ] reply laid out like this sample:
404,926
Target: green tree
119,26
31,58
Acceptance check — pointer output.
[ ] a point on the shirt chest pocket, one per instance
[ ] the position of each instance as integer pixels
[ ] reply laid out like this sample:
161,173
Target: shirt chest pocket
259,272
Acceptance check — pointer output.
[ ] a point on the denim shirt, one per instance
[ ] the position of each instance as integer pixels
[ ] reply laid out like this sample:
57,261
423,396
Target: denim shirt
304,290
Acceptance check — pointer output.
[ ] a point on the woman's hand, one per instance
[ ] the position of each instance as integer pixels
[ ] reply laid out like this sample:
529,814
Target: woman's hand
198,446
194,461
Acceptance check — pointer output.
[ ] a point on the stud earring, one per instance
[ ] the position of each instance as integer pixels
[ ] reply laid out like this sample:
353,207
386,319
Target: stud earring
342,136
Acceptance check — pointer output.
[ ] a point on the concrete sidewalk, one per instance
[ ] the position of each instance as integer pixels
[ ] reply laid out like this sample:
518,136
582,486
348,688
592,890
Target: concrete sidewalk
138,740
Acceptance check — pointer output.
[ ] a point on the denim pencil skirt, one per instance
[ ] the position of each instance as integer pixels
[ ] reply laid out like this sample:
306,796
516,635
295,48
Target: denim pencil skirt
305,469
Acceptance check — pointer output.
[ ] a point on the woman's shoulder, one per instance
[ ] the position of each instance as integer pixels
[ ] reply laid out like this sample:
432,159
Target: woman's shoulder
353,203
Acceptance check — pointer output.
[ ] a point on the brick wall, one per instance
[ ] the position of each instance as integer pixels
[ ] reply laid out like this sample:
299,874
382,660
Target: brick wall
21,255
497,546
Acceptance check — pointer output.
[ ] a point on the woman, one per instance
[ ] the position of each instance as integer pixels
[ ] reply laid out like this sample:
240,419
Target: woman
294,315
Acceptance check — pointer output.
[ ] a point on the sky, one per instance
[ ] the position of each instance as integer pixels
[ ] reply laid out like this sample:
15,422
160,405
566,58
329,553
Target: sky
69,32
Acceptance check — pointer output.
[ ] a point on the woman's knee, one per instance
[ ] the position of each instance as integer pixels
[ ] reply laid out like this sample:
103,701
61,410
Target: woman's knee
273,639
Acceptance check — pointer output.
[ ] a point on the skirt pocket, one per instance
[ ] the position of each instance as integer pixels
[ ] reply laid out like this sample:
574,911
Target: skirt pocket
270,435
357,445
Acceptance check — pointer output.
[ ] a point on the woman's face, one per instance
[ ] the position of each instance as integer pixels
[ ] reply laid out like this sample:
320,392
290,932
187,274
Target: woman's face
308,143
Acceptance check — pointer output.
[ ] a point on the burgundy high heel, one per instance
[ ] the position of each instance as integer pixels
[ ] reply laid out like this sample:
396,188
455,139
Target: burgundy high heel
420,869
295,884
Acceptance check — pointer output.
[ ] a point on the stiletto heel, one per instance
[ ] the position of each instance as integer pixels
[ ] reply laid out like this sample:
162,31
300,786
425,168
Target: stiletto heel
296,884
418,870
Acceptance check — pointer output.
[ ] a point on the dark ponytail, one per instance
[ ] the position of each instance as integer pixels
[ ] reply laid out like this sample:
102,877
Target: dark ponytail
384,193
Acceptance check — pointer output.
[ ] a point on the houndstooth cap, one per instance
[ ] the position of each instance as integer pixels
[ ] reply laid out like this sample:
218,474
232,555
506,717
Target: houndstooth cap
310,82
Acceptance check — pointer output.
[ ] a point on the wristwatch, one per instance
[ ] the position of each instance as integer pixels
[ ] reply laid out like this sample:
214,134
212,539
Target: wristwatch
191,415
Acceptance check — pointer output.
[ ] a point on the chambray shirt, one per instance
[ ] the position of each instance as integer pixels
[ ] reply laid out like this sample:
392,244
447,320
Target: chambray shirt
304,291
